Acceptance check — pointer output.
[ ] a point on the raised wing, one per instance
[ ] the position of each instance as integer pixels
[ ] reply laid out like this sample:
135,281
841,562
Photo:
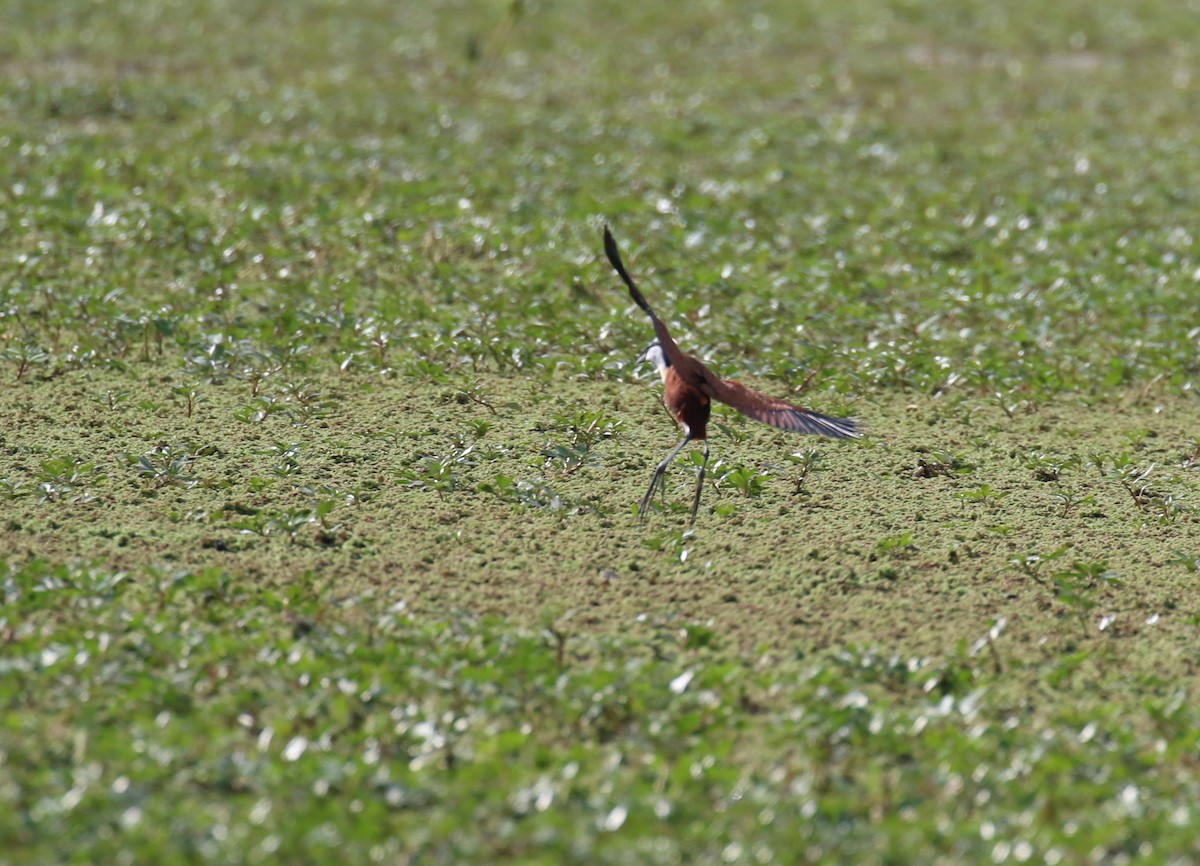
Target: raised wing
672,351
778,413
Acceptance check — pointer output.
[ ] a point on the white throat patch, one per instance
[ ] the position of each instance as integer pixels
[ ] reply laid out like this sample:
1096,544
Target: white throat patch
655,355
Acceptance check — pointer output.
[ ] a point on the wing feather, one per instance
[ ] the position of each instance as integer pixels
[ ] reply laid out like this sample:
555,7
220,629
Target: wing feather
777,413
672,351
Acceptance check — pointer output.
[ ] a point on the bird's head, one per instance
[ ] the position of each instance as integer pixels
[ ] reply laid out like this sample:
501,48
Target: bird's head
655,355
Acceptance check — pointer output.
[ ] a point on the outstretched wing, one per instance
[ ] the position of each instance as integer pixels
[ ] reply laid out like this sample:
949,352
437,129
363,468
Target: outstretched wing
778,413
672,351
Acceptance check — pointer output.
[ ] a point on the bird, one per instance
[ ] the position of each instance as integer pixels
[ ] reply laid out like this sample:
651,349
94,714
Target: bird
689,388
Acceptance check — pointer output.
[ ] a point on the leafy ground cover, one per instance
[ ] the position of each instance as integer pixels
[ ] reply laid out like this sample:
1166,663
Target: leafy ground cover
321,433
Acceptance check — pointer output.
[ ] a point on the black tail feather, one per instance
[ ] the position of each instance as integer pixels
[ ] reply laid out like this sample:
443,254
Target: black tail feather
614,258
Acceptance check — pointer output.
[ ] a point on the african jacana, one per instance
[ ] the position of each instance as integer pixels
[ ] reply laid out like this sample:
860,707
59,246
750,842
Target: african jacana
689,388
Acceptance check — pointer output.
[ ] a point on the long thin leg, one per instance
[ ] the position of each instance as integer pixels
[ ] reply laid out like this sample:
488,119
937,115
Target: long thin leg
699,483
645,503
659,474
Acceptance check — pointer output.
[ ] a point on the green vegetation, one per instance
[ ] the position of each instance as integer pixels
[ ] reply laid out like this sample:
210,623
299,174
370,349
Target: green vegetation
321,434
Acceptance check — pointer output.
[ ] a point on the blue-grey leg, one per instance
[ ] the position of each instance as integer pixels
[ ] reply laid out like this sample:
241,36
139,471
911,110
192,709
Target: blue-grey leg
699,484
660,472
